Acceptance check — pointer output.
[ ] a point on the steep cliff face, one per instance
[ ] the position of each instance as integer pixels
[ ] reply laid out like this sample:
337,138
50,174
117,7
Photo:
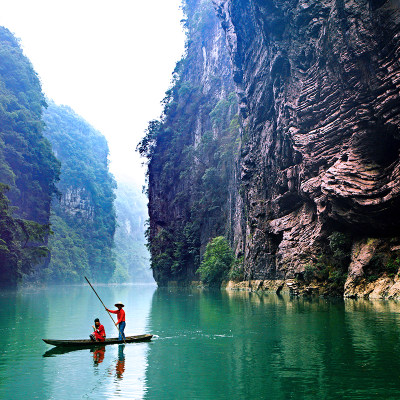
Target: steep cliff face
319,96
191,152
28,167
318,87
27,163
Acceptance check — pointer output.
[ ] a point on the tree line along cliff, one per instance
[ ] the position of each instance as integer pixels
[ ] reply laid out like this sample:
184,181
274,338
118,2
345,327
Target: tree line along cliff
281,133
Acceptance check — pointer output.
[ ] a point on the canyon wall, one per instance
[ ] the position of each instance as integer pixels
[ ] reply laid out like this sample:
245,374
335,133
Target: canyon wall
29,170
318,153
191,152
319,96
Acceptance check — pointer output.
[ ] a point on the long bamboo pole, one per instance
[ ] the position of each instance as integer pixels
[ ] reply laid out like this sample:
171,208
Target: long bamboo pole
112,319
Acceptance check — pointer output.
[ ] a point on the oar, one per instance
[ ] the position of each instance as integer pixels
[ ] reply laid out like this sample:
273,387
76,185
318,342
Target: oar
112,319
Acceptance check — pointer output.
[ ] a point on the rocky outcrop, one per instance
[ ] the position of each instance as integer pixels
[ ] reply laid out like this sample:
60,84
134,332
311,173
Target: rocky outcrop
319,96
366,279
77,202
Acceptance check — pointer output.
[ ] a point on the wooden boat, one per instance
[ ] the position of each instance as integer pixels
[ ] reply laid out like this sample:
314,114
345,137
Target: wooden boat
90,343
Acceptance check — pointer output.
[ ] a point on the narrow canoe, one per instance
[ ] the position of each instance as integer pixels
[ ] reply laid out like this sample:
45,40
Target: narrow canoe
90,343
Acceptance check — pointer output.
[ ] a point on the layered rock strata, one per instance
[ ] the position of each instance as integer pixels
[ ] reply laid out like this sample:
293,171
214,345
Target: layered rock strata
319,97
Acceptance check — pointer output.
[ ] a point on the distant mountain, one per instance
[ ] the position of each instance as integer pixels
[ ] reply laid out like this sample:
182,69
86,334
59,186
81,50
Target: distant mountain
84,218
131,254
54,162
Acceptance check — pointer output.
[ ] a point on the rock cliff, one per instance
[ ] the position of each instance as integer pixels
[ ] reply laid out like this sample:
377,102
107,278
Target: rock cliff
77,202
318,93
191,150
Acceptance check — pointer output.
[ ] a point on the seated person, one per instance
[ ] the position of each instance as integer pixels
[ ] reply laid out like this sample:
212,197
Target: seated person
99,333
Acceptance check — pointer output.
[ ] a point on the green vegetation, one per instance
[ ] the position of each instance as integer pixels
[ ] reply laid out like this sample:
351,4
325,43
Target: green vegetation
22,242
84,220
131,255
28,167
333,264
236,273
382,263
191,158
218,260
195,177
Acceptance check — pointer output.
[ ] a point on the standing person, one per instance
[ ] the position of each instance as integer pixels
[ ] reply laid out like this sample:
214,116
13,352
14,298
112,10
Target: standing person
121,319
99,333
120,367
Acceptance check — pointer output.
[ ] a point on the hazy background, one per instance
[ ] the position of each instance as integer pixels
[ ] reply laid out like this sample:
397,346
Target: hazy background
111,61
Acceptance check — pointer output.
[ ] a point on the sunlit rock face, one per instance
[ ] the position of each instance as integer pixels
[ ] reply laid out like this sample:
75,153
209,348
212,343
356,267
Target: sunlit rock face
318,83
77,202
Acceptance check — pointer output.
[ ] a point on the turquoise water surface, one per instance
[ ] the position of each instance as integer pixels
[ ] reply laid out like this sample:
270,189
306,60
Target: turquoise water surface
208,345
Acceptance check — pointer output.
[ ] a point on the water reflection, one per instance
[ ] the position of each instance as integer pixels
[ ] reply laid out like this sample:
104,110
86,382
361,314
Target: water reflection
220,345
120,368
210,345
375,333
21,316
98,355
60,350
27,316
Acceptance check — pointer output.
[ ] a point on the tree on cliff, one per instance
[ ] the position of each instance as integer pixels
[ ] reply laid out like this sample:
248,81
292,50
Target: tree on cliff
217,261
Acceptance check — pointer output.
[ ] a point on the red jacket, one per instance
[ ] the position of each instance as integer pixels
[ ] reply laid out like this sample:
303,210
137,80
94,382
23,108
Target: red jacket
120,315
100,333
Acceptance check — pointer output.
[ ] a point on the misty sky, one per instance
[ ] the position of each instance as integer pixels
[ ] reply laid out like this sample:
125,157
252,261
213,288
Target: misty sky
111,61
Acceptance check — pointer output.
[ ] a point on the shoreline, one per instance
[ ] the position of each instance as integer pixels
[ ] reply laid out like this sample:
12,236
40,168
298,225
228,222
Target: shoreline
383,288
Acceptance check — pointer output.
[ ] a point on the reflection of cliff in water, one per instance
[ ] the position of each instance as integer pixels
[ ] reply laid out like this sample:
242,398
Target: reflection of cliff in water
375,332
222,345
21,313
67,312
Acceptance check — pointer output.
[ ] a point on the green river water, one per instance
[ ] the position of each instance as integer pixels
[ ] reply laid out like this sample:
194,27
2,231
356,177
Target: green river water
208,345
